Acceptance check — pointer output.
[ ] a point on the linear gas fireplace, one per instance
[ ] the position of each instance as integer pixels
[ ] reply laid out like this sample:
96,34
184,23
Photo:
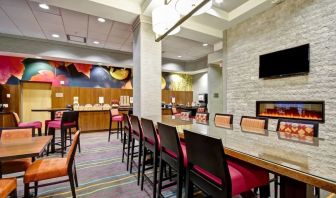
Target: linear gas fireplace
301,110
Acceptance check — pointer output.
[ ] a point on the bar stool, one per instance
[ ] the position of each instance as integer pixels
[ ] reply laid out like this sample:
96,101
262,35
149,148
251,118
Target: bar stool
210,170
137,135
115,117
151,143
58,116
173,153
36,124
69,120
8,187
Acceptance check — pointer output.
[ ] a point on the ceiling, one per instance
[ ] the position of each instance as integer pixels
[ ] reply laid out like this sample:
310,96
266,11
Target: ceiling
79,18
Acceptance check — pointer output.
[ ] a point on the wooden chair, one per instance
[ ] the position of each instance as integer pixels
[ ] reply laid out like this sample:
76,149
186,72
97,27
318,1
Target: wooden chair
254,124
115,117
69,120
18,165
151,143
223,120
50,168
209,169
172,153
8,187
36,124
137,135
58,116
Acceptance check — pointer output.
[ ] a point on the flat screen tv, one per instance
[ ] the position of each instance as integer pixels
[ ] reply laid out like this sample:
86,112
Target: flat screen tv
293,61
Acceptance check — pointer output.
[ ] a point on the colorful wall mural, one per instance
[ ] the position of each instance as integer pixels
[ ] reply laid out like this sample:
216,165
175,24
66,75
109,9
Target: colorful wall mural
14,69
176,82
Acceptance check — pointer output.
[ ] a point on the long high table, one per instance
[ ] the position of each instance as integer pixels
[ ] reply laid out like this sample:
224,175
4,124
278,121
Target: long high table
298,161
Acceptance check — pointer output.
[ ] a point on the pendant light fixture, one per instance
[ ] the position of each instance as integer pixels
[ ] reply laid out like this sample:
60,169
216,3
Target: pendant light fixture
163,18
186,6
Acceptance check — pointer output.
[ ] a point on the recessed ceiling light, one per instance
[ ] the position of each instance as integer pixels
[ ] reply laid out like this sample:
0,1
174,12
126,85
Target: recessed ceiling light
38,57
44,6
96,42
179,56
102,20
55,35
205,44
219,1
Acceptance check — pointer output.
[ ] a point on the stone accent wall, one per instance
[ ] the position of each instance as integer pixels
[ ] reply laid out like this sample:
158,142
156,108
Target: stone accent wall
289,24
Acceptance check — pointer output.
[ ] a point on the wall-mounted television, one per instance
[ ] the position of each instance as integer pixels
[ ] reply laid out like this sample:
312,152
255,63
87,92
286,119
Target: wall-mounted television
293,61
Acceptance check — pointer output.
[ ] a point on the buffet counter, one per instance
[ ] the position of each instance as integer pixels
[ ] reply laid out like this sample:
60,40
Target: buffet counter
98,119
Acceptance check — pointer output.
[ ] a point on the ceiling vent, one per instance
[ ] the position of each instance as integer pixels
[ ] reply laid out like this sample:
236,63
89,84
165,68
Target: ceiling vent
77,39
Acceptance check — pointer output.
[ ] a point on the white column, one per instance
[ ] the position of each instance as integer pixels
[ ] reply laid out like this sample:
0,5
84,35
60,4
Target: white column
146,70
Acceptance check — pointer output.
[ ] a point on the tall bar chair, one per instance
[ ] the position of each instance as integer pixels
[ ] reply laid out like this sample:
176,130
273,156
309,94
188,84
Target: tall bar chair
119,119
69,120
58,116
172,153
151,143
137,135
14,134
35,124
210,170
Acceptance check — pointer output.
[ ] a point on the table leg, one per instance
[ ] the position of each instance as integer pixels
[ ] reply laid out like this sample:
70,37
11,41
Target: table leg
290,188
52,131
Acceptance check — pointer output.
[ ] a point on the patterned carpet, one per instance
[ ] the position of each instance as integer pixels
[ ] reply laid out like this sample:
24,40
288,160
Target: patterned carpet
100,172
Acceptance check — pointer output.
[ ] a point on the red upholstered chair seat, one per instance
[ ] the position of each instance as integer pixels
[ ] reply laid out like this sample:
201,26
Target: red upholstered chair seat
243,176
184,151
36,124
118,118
57,124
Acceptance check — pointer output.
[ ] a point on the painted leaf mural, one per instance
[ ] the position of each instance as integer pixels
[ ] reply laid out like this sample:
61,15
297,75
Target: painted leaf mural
49,76
10,66
84,68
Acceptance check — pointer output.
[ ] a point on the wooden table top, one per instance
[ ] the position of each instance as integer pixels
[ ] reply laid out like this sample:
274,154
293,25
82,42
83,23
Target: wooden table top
310,160
51,109
23,148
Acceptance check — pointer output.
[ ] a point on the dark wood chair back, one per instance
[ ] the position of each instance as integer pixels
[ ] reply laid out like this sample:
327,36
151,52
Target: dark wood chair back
149,131
136,127
208,154
70,117
170,143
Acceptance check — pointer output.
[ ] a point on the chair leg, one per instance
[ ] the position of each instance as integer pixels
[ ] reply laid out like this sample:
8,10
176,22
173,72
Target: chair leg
155,174
143,167
189,186
62,142
139,160
276,185
128,151
160,179
265,191
26,190
36,188
39,131
132,153
75,174
72,184
118,130
110,128
121,131
123,149
179,184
